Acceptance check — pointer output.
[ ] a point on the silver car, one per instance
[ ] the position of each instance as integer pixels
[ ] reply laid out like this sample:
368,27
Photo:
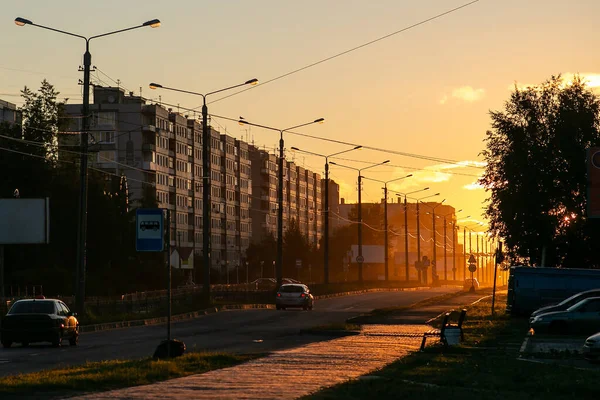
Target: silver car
581,317
294,295
591,348
568,302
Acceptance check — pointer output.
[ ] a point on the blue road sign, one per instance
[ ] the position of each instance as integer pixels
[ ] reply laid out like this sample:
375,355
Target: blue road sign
149,224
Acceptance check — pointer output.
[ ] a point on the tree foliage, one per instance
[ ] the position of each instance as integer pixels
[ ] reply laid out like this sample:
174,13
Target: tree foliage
536,173
32,164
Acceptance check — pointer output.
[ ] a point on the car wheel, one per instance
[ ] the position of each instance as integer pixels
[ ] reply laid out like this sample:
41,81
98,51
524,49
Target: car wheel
6,344
278,307
305,308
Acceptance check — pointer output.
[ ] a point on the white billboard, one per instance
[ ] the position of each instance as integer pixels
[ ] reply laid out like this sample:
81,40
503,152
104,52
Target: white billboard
24,221
371,254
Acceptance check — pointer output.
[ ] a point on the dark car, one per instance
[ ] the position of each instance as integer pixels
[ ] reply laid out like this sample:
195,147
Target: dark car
294,295
263,284
568,302
582,317
39,320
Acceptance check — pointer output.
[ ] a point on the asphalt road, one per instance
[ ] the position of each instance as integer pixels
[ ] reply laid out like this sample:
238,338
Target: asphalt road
241,331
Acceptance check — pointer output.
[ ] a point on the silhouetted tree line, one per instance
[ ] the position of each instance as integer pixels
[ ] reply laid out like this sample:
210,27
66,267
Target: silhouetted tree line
536,174
38,169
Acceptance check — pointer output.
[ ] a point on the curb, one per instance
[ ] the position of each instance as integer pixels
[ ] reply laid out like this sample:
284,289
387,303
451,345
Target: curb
329,333
411,289
178,317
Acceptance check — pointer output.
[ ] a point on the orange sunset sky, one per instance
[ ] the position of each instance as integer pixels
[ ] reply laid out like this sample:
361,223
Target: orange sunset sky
424,92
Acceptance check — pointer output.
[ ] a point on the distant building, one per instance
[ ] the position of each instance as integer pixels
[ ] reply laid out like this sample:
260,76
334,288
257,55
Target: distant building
9,113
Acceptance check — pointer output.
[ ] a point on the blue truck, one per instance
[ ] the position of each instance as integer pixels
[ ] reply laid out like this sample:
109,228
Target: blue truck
530,288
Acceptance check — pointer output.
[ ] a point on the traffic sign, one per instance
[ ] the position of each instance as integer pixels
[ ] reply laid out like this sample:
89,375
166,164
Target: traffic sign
149,223
360,259
472,268
472,259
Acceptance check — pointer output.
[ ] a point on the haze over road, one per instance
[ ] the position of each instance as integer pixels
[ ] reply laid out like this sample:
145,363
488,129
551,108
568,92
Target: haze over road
241,331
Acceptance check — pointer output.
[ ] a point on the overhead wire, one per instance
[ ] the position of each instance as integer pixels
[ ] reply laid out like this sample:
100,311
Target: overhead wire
440,15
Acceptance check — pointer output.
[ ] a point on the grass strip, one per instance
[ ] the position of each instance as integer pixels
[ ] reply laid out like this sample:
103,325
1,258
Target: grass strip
108,375
485,366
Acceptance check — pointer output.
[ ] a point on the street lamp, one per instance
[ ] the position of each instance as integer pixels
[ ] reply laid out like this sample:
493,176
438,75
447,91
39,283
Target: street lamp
406,227
326,241
446,246
360,259
419,231
279,263
82,211
205,178
385,219
434,266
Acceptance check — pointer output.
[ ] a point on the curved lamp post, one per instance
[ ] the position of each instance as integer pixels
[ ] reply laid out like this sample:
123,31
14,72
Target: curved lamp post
385,219
82,212
279,263
206,249
406,227
326,219
360,259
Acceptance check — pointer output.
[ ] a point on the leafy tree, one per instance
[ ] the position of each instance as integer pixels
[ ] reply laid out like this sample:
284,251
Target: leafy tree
536,173
295,247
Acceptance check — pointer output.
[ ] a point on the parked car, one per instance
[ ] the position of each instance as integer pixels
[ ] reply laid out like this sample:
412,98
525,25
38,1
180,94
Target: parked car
582,317
263,284
469,283
568,302
591,348
39,320
294,295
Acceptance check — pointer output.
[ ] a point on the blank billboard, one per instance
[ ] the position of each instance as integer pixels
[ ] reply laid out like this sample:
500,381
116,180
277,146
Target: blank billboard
24,221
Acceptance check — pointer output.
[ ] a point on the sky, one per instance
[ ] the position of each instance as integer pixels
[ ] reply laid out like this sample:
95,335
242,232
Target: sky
426,91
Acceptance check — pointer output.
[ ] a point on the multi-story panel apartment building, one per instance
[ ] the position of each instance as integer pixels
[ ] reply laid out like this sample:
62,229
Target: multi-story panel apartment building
160,152
302,197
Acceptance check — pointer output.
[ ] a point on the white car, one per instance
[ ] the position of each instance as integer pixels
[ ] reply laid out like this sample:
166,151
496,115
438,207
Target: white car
294,295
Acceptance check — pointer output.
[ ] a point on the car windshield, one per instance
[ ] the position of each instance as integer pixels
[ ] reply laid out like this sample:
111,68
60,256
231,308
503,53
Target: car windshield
32,307
292,289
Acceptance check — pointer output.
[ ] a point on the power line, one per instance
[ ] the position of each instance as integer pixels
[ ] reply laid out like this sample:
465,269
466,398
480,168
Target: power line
349,50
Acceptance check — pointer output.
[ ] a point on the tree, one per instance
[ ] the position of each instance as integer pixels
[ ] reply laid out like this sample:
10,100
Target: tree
536,173
295,247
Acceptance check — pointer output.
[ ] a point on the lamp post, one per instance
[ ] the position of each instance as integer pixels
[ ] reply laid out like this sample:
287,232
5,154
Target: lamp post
434,262
326,241
279,262
385,220
406,227
419,232
360,257
82,211
446,245
206,217
454,245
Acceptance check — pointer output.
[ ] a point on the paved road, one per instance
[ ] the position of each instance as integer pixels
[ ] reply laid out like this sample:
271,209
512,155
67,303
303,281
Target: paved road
248,331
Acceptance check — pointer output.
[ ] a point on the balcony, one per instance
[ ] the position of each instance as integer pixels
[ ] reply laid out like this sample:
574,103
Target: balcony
149,165
148,128
148,147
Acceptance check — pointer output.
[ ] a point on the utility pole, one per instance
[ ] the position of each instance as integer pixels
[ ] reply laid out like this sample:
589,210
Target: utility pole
360,256
419,243
464,253
445,250
454,244
406,238
385,234
326,239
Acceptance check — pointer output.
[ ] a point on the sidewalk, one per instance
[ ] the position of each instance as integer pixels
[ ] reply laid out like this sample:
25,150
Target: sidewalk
300,371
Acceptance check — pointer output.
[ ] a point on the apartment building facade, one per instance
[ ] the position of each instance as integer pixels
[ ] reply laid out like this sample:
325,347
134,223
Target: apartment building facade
159,151
302,197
